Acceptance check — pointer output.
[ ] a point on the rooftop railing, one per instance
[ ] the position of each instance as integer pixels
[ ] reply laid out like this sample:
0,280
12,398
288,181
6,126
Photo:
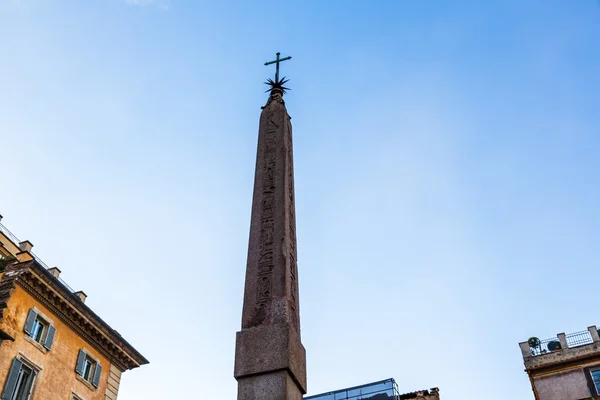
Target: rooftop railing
545,346
9,234
579,339
16,242
540,347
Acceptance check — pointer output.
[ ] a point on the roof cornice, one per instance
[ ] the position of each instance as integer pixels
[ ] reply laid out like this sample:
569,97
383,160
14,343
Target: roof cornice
49,291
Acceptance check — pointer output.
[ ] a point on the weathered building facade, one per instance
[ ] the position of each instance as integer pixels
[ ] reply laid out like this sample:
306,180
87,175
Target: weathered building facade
566,367
52,346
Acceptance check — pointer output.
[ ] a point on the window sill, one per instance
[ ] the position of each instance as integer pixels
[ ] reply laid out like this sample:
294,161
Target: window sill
36,344
86,383
75,396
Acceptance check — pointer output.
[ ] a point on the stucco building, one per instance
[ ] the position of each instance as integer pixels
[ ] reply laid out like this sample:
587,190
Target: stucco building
52,346
381,390
565,367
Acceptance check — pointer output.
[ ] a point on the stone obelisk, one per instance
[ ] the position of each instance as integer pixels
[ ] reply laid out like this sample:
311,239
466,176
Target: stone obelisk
270,361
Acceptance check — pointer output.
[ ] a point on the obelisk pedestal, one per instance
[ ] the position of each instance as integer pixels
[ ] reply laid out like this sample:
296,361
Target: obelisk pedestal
270,361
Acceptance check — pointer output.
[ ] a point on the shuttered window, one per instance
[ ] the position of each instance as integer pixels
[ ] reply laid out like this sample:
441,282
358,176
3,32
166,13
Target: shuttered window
49,337
19,382
39,329
80,360
97,373
88,368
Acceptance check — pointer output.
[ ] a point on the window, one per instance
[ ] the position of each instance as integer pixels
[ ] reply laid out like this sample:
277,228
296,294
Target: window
19,383
39,329
88,368
596,379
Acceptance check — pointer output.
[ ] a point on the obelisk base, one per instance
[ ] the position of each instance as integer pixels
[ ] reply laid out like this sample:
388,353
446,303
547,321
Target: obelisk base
270,362
270,386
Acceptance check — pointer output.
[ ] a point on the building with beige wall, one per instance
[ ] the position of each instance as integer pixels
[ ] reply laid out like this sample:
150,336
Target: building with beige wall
566,367
52,346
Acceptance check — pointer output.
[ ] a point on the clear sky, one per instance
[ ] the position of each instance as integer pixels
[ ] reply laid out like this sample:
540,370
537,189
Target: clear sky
446,178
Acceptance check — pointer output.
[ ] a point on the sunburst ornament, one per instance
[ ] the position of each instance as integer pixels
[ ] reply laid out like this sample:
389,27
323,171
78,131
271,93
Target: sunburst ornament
277,85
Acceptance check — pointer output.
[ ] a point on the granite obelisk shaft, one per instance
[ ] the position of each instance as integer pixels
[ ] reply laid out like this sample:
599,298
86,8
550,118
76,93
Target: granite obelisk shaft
270,361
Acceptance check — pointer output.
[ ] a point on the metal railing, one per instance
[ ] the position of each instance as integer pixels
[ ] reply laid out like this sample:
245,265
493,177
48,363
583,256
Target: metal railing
545,346
16,242
579,339
9,235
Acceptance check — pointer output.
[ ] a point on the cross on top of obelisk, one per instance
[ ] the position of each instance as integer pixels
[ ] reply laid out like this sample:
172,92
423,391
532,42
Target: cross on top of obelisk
276,62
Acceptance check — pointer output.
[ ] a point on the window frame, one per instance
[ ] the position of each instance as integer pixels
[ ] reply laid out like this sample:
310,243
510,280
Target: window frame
39,322
19,394
596,386
89,361
91,376
34,369
75,396
588,371
40,332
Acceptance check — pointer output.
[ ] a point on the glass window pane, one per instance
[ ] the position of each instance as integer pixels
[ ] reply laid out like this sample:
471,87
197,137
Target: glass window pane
38,331
596,378
341,396
34,329
86,370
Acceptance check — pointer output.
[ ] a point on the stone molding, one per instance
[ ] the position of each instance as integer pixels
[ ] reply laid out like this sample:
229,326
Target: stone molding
563,358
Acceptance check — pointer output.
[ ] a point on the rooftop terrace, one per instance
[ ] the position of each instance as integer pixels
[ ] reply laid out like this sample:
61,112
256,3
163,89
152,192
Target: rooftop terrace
562,347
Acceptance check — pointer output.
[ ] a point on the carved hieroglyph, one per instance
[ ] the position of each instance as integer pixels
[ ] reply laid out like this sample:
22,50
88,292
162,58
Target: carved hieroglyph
271,292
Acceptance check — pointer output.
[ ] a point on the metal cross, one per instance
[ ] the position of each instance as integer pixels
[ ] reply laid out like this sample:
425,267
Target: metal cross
276,62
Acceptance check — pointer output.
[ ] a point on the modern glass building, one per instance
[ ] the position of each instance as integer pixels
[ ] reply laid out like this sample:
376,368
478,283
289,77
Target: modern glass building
382,390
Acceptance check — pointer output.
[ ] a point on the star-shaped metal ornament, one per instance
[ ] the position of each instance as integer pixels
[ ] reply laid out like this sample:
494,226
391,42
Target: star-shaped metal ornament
277,85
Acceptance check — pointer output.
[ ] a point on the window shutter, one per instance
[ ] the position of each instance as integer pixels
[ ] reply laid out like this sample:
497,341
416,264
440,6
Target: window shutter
30,321
80,361
11,382
50,337
97,373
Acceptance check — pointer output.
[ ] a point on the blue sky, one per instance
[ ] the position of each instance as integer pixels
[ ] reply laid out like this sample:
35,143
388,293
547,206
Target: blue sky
446,178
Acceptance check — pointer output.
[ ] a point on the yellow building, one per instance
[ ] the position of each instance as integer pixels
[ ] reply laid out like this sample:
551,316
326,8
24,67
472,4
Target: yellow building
52,346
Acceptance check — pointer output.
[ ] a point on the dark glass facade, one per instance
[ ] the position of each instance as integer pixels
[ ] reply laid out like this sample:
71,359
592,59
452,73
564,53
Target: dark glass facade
382,390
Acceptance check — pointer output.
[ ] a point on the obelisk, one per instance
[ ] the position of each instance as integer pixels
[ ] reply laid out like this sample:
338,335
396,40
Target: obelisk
270,361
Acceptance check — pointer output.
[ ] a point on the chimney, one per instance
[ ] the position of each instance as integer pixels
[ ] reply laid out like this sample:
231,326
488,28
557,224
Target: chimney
55,272
82,296
26,246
